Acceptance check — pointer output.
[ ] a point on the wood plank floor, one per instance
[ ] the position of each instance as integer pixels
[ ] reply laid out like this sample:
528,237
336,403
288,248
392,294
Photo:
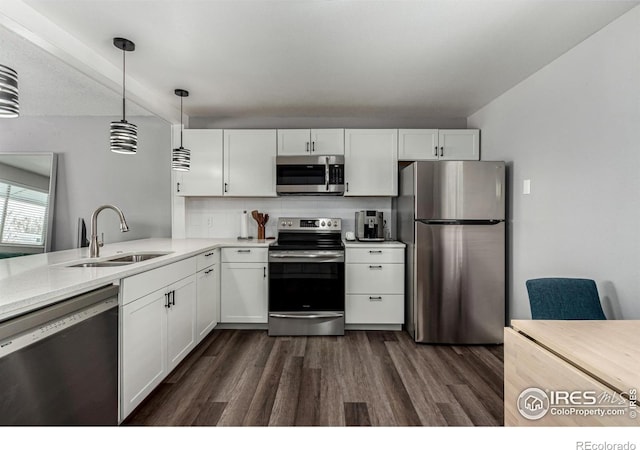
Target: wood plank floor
365,378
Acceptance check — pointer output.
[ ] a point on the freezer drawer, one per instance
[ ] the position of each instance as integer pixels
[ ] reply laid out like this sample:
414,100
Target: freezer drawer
459,286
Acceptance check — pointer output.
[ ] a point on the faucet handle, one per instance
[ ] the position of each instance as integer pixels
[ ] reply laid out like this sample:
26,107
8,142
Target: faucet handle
101,243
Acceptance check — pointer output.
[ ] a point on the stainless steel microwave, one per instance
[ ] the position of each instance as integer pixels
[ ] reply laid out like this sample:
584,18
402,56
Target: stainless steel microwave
310,175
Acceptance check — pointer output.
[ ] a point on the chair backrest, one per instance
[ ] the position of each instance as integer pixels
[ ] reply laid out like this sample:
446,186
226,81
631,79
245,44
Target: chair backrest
564,299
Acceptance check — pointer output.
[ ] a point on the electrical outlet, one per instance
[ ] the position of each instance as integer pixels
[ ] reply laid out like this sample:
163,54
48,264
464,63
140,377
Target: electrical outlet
209,221
526,187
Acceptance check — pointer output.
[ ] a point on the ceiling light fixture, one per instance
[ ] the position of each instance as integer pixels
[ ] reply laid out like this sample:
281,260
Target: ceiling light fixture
9,106
124,135
181,157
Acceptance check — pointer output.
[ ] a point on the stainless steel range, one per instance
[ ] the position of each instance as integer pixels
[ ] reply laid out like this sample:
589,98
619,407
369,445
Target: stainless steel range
306,278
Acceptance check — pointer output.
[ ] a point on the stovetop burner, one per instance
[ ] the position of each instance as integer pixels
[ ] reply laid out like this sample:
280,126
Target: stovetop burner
306,233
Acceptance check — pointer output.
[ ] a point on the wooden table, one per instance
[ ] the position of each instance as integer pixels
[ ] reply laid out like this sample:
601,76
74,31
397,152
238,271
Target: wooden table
596,362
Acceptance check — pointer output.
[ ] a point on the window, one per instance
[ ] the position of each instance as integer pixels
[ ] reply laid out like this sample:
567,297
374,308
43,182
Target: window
23,215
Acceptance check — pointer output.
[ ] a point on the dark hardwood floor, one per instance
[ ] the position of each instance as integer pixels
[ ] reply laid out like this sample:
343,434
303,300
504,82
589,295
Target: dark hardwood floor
377,378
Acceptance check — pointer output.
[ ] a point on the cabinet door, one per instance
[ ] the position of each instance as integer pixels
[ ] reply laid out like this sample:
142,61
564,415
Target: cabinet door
144,351
371,162
417,144
205,174
244,293
294,142
208,300
328,141
250,163
456,145
181,321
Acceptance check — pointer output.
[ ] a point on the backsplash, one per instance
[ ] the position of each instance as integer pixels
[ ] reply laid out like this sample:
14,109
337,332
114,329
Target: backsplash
220,217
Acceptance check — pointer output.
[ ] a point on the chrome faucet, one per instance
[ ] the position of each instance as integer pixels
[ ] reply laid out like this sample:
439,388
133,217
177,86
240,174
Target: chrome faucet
94,245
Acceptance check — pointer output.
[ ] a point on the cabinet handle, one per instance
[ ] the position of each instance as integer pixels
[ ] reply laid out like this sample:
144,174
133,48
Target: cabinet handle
178,187
207,272
375,299
244,251
347,186
226,187
173,298
375,251
375,267
441,151
209,254
168,303
264,272
313,146
307,146
435,151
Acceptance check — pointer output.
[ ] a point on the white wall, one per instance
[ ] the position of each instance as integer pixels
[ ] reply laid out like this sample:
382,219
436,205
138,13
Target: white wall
380,120
89,175
220,217
573,129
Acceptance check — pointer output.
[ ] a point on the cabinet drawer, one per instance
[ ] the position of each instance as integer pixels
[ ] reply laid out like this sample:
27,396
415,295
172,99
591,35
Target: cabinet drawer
378,309
144,283
245,254
375,278
375,255
207,258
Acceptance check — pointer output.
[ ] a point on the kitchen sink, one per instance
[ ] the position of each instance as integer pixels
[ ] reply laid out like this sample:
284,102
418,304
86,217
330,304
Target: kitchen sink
135,257
102,264
123,260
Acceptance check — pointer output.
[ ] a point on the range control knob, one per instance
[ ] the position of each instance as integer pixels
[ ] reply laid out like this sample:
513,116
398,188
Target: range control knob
289,223
328,223
322,223
335,224
283,223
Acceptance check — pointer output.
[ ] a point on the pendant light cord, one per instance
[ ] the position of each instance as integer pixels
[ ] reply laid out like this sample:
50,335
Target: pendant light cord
181,125
124,68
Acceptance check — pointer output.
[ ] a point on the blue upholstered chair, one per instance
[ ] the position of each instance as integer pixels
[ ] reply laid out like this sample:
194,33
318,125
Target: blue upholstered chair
564,299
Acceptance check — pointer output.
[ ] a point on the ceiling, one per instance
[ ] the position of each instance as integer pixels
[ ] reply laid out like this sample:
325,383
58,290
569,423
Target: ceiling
305,58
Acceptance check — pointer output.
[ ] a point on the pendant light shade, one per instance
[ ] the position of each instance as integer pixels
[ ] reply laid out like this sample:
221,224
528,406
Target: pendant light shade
181,157
9,106
124,135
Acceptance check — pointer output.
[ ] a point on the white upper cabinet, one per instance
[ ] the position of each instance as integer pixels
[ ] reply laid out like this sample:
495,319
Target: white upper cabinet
371,162
329,141
458,145
205,175
444,145
249,163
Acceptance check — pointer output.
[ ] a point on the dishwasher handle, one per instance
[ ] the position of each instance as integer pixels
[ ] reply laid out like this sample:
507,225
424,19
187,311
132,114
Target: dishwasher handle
32,320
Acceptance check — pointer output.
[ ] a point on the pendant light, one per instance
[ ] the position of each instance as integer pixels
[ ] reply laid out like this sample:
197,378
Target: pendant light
9,106
124,135
181,157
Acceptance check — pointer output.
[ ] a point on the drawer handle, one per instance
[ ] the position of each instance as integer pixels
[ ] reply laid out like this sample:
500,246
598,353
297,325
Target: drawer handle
375,251
209,254
207,272
244,251
375,299
375,267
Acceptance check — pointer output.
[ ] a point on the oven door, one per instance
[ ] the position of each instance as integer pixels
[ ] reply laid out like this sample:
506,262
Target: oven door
306,293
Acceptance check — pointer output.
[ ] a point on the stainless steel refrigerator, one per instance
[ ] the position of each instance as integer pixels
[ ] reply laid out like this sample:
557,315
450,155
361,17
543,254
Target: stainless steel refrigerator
451,216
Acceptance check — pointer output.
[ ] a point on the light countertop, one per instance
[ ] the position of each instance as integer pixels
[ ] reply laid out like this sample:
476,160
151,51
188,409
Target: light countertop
605,349
35,281
370,244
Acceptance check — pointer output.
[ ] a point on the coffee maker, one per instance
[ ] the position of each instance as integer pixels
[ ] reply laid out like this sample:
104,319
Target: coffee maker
369,225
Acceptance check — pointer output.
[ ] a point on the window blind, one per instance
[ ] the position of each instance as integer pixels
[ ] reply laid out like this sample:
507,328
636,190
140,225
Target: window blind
23,215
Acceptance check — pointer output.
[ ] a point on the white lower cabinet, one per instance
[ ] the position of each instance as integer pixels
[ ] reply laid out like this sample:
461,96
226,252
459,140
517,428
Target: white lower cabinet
158,327
374,286
244,285
208,296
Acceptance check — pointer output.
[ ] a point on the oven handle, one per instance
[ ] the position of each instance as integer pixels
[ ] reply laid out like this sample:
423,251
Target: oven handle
306,316
308,258
326,173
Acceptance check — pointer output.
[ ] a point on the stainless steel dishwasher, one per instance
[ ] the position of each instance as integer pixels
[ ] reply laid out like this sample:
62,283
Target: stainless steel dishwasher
59,364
